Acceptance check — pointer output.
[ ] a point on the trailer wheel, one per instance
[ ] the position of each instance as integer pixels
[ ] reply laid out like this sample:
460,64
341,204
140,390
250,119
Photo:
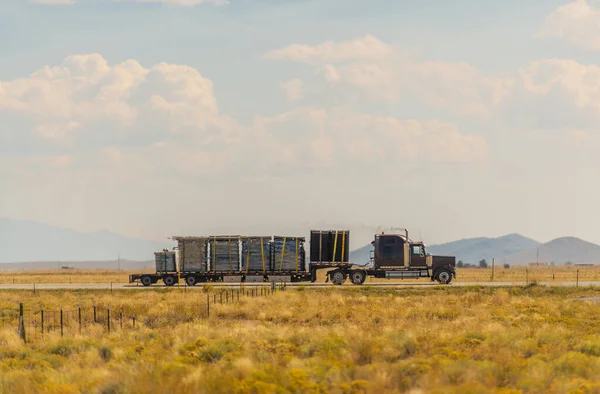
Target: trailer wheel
444,276
338,277
169,280
146,280
358,277
190,280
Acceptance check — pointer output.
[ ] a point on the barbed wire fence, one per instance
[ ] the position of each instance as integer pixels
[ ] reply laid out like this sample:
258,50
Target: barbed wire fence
34,324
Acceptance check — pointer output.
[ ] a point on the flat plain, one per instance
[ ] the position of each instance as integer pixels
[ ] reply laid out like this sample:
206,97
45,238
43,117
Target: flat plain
521,274
316,340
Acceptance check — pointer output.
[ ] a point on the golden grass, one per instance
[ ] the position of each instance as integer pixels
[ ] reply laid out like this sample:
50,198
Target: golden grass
331,340
66,276
556,274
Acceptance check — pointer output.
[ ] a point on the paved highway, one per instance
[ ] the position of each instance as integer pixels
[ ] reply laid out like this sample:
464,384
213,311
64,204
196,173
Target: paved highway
128,286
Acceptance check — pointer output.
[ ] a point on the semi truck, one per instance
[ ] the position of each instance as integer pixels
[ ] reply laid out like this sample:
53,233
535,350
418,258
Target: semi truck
278,258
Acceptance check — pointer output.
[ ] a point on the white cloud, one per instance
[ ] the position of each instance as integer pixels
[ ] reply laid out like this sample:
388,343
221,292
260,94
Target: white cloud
579,83
51,2
577,22
339,137
85,91
188,3
179,2
367,48
383,72
293,89
148,144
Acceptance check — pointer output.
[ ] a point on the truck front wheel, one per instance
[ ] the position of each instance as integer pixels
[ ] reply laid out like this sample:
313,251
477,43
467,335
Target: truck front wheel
358,277
146,280
338,277
444,276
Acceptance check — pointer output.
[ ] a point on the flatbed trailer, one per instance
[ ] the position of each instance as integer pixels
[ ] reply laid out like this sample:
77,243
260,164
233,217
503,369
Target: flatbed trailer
193,278
338,274
393,257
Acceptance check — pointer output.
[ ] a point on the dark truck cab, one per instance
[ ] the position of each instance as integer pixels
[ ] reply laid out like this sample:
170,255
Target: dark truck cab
396,256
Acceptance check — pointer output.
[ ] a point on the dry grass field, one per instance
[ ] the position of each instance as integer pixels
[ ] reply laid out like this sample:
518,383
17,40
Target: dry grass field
328,340
514,274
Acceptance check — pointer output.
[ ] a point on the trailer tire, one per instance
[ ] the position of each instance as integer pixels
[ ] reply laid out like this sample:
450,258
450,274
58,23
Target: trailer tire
444,276
146,280
358,277
169,280
337,277
190,280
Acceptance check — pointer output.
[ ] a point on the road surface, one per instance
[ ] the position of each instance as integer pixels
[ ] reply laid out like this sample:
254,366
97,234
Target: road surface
128,286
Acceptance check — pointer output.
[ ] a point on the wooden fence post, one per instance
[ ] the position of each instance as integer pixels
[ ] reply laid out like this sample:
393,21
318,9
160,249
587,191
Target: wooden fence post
22,323
61,321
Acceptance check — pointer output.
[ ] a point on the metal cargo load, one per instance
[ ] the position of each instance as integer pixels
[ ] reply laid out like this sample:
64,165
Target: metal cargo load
256,254
193,257
288,254
225,253
165,261
330,246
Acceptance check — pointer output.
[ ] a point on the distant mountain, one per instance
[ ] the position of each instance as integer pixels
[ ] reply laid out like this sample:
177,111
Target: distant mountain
559,251
469,250
125,265
26,241
361,255
473,250
513,249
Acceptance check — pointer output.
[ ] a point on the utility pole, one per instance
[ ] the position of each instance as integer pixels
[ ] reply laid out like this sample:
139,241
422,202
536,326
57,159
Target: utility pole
119,261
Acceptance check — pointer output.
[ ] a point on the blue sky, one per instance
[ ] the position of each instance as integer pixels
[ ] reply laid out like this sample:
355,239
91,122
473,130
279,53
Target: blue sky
455,118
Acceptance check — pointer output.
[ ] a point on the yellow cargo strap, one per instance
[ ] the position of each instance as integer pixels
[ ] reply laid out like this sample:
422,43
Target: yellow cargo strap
296,254
343,244
320,245
262,252
282,251
215,252
334,246
177,265
248,254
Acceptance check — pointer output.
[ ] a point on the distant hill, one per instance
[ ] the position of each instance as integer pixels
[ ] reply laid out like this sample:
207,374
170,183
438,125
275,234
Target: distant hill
473,250
559,251
125,265
26,241
513,249
361,255
469,250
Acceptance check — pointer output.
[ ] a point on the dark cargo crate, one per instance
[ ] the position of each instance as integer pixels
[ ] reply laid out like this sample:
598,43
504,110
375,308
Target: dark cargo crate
225,253
165,261
256,254
193,254
288,254
323,244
